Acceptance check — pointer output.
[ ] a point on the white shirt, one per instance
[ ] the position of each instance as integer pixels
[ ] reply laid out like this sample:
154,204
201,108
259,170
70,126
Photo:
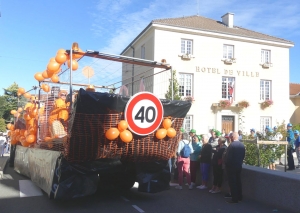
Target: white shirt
2,140
181,145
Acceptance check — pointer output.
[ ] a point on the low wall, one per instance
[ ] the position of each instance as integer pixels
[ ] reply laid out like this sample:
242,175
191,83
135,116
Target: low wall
276,188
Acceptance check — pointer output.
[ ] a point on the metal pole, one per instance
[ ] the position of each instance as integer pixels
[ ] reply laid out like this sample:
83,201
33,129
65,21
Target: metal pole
38,123
71,70
285,152
258,152
172,90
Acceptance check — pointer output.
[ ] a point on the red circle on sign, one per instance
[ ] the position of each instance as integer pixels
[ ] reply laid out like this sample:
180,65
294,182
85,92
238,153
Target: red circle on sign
129,109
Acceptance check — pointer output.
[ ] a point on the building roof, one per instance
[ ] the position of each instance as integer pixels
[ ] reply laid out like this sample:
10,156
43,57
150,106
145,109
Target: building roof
207,24
294,89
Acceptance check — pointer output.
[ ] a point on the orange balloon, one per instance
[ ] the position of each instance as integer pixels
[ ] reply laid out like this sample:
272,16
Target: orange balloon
33,112
122,125
39,76
26,117
12,127
22,139
171,133
45,74
52,67
61,58
58,71
18,137
25,133
25,144
112,134
61,51
161,133
13,112
76,55
167,123
46,88
16,115
17,132
13,141
22,131
54,78
27,95
30,138
126,136
8,126
20,109
74,65
21,90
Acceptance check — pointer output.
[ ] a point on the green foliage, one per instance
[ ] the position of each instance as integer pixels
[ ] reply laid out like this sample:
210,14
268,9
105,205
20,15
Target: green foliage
2,125
267,153
176,95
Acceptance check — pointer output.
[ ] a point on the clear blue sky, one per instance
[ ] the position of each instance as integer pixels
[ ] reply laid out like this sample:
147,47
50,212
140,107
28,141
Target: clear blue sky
32,31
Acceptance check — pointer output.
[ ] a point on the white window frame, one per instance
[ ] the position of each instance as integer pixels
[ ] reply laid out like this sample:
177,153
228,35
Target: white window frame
228,51
265,56
228,81
185,84
265,87
265,121
187,124
143,52
186,46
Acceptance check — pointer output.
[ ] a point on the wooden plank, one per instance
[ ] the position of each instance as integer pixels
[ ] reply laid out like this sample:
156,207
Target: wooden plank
272,142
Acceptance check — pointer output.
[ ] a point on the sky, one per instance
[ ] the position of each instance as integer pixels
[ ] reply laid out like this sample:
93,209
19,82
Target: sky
32,31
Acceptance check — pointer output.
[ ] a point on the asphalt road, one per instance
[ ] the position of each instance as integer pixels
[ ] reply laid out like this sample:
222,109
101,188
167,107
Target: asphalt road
116,201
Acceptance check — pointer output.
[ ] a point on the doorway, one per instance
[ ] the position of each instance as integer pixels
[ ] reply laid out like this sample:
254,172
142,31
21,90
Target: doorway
228,123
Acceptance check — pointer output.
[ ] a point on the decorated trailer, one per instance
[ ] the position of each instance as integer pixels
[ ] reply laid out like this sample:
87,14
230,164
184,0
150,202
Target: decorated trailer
93,140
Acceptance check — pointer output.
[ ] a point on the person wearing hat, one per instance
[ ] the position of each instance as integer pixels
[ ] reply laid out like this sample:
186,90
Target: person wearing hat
192,133
290,150
2,144
194,158
297,147
252,133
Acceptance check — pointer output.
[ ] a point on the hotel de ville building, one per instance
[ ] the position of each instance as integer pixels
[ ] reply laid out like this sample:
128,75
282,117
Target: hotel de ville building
216,63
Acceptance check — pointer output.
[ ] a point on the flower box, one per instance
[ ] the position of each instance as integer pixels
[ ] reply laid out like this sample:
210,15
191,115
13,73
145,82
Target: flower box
224,104
243,104
266,104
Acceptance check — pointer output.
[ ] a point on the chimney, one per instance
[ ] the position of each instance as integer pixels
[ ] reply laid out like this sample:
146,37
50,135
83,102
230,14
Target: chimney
227,19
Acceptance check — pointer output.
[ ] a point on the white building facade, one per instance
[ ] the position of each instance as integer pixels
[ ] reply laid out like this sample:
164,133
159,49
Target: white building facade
214,61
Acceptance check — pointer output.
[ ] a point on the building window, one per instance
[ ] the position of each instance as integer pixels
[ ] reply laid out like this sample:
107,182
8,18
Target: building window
265,56
228,88
186,46
264,122
228,51
185,84
265,90
143,53
188,123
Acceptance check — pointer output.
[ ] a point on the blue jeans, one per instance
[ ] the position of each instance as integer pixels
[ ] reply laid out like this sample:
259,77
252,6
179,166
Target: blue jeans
204,168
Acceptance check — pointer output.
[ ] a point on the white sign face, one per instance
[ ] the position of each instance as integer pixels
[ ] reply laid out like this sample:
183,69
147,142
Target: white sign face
144,113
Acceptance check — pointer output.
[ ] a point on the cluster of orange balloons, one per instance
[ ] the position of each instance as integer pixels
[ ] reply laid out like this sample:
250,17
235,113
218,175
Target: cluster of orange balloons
125,135
25,137
167,130
54,65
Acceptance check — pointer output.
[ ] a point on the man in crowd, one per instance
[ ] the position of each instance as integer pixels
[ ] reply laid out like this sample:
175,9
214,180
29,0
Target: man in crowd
297,147
290,150
235,155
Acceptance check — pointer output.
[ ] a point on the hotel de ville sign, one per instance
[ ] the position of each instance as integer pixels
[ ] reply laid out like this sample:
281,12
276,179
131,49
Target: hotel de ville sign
227,72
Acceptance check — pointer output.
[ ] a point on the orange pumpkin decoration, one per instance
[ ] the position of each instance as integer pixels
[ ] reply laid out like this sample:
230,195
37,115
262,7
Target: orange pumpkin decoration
30,138
74,65
39,76
171,133
126,136
167,123
27,95
112,134
61,58
161,133
122,125
54,78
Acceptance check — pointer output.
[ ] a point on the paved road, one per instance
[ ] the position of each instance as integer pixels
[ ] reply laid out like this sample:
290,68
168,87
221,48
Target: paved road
12,200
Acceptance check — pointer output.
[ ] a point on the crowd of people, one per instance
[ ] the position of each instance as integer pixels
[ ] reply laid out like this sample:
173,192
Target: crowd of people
224,154
4,144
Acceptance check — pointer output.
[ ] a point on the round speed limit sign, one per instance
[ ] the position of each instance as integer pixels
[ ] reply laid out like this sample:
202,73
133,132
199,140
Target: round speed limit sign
143,113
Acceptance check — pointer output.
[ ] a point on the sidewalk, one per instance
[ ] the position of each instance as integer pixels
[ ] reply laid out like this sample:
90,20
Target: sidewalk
3,162
281,167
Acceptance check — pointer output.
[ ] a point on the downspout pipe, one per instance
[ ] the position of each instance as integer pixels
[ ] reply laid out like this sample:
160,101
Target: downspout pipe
132,71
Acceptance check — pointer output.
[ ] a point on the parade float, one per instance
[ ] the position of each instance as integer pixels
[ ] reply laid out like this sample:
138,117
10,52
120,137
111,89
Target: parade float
71,144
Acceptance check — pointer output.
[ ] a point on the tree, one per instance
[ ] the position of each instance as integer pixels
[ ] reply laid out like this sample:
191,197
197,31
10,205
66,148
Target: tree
2,125
176,95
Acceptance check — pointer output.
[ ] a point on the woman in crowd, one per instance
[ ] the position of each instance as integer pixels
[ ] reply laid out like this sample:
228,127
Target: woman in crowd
205,161
217,163
194,158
